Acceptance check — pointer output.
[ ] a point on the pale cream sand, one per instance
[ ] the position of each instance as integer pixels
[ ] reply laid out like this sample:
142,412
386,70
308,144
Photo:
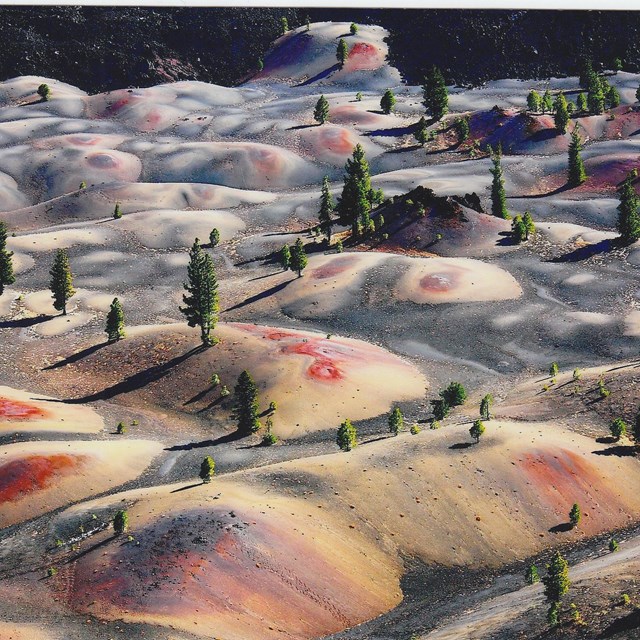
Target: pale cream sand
37,477
24,411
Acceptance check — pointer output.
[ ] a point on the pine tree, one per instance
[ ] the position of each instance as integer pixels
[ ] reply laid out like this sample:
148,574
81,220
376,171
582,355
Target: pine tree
435,95
115,322
284,25
613,98
476,430
498,194
462,128
396,421
246,404
617,65
285,257
321,111
556,582
61,283
628,214
117,213
575,515
529,224
44,91
201,300
207,469
355,201
420,133
298,257
618,428
485,407
387,102
327,205
582,103
553,614
547,102
342,52
561,117
636,429
534,101
6,261
214,238
577,173
307,21
532,576
554,370
518,230
347,436
586,73
595,96
353,29
454,394
120,522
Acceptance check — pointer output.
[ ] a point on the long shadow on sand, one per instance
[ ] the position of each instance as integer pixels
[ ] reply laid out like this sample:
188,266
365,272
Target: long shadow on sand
461,445
319,76
561,528
555,192
229,437
393,132
627,623
24,323
76,356
621,450
134,382
259,296
582,253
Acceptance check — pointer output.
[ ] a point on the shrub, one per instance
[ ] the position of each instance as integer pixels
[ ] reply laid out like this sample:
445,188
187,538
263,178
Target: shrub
347,436
575,515
553,370
415,429
618,428
117,212
214,380
214,237
121,429
625,599
454,395
269,438
434,424
476,430
359,97
339,247
224,391
614,545
440,409
207,469
532,576
51,572
577,374
272,406
396,421
120,522
44,91
553,614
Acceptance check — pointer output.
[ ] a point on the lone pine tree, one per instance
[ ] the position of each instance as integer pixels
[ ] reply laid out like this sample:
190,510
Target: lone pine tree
396,421
321,111
628,215
485,407
299,258
355,201
61,283
246,404
201,297
577,174
387,102
207,469
347,436
498,194
476,430
327,205
6,260
115,322
556,581
435,97
120,522
575,515
342,52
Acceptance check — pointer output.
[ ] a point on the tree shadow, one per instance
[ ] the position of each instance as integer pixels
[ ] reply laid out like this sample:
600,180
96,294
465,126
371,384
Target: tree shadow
555,192
79,355
413,147
198,396
259,296
621,450
606,440
133,382
213,403
507,240
561,528
371,440
392,132
319,76
582,253
627,623
85,552
229,437
542,136
302,126
24,323
462,445
189,486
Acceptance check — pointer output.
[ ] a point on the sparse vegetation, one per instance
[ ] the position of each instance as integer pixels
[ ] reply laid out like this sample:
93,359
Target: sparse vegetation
246,404
44,91
476,430
575,515
485,407
117,212
120,522
396,421
6,260
121,428
387,102
353,29
115,322
532,576
618,428
614,545
207,469
321,110
554,370
269,438
214,238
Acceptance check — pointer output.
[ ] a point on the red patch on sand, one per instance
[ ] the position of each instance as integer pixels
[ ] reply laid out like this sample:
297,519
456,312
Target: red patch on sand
34,473
438,282
16,410
265,161
103,161
348,114
364,57
334,267
336,140
562,477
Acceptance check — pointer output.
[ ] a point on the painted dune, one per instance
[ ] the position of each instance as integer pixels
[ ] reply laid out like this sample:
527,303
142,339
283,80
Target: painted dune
36,477
247,565
316,380
23,411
